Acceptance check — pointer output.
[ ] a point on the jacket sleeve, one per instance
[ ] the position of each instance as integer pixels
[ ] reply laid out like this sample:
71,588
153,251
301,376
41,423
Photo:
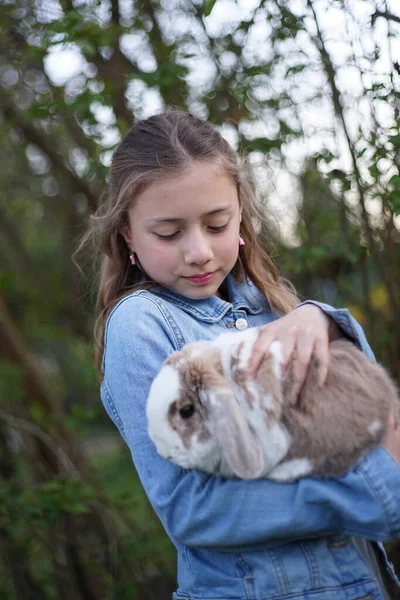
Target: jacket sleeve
229,514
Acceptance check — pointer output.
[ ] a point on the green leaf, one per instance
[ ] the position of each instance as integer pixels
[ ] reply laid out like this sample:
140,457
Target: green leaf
395,139
395,180
263,144
87,47
394,199
295,69
208,6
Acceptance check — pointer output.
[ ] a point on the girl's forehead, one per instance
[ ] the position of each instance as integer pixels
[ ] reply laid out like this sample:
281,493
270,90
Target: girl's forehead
201,187
195,174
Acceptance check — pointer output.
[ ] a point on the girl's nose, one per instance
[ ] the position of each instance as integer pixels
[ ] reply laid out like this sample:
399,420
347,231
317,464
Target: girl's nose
198,250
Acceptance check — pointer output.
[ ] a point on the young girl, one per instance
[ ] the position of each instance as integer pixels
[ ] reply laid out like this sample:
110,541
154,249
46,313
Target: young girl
181,262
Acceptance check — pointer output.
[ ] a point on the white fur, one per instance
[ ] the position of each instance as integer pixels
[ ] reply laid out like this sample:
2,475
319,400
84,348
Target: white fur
165,389
275,442
265,402
276,352
204,456
212,459
291,469
375,427
198,349
228,342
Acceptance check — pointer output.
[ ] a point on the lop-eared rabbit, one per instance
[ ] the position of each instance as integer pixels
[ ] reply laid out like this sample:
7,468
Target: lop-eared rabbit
205,411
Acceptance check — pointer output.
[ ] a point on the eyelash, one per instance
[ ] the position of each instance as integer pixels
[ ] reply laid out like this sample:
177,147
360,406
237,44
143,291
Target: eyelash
167,237
218,229
172,235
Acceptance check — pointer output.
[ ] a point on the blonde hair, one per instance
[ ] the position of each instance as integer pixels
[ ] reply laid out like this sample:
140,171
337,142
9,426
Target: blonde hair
152,150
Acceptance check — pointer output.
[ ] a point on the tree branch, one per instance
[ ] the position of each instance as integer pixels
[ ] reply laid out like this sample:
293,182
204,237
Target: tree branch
45,143
386,15
115,11
116,72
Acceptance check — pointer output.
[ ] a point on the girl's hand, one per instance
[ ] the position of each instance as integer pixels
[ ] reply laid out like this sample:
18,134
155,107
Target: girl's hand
304,331
392,439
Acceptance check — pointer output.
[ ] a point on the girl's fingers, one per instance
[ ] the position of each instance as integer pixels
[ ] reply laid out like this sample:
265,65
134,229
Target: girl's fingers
304,350
262,346
288,347
260,349
292,338
321,354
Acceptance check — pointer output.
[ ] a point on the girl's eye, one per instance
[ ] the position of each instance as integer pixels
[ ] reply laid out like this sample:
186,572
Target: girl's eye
170,236
217,229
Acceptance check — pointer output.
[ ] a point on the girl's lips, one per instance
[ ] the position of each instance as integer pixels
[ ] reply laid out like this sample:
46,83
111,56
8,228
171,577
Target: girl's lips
201,279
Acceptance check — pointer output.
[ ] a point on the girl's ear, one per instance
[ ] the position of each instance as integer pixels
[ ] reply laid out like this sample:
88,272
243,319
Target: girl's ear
126,234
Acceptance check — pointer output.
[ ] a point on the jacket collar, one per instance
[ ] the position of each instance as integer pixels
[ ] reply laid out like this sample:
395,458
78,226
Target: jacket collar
241,296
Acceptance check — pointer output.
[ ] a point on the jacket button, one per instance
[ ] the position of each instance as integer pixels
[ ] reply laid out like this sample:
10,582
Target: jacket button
241,324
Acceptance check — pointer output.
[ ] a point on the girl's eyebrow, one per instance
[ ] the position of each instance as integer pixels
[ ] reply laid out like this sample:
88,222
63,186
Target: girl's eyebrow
156,220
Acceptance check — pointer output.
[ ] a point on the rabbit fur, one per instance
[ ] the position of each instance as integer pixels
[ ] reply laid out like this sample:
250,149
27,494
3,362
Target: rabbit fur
205,412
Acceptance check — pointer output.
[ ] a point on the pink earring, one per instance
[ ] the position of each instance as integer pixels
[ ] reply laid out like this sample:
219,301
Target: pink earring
241,241
132,257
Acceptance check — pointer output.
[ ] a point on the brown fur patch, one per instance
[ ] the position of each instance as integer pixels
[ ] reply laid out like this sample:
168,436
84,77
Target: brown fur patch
196,373
331,424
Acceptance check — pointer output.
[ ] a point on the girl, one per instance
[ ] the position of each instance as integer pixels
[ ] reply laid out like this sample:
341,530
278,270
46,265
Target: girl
181,262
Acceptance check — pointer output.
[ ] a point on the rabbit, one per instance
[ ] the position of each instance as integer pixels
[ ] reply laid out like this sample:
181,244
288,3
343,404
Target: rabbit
205,412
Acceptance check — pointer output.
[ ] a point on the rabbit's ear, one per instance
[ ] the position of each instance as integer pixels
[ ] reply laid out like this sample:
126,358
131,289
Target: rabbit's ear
239,443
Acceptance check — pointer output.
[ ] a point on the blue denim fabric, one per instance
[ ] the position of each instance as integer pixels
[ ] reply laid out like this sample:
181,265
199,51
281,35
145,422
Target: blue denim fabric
260,539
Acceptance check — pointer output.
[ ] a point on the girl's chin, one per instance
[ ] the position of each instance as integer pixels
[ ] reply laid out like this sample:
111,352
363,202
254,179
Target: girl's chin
197,292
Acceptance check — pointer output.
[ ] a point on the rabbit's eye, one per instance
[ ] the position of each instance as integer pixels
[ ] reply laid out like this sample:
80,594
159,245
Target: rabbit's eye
186,411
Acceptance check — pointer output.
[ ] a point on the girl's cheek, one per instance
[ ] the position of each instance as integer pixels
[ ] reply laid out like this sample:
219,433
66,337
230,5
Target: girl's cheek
164,255
154,256
230,245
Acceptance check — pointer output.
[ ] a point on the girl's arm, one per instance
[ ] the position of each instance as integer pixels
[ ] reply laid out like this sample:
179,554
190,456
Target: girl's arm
202,510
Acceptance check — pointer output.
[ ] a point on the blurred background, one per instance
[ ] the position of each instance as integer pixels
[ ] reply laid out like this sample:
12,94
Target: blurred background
310,89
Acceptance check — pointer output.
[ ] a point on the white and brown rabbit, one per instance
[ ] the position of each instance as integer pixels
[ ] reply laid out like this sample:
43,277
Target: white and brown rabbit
205,412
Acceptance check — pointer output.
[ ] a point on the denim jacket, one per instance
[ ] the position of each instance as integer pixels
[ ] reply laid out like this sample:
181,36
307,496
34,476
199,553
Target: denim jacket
259,539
